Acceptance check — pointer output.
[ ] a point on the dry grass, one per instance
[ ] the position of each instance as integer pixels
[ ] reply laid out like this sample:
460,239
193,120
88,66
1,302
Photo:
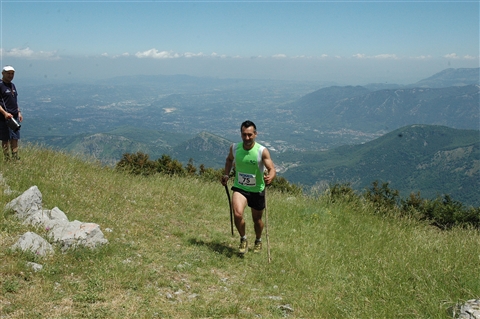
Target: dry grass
171,255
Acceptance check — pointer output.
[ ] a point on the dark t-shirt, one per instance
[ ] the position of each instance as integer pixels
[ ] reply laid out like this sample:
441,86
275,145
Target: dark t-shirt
8,99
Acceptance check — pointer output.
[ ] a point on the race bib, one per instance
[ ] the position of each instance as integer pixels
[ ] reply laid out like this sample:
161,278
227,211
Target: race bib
247,179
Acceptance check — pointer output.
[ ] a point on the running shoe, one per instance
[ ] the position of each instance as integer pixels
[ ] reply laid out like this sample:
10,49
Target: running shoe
258,246
243,248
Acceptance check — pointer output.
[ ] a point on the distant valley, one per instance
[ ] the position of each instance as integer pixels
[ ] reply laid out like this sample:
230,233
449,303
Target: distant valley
187,117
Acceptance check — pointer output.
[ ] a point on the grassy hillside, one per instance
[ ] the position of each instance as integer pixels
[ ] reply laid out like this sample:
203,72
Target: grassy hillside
171,255
430,159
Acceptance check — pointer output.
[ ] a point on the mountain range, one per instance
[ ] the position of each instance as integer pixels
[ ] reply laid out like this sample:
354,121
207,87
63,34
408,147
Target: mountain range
433,160
197,118
357,108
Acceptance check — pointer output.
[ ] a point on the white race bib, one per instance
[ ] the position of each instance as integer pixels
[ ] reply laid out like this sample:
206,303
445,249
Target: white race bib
247,179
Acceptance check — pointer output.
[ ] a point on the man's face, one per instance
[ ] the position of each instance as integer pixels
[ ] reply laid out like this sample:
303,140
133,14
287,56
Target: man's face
248,137
8,76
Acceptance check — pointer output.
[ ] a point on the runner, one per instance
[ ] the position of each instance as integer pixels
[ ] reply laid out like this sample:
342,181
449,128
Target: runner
250,160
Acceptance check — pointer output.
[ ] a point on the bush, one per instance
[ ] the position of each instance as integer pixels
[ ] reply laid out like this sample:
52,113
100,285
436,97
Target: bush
136,164
444,212
341,192
281,184
169,166
383,198
210,174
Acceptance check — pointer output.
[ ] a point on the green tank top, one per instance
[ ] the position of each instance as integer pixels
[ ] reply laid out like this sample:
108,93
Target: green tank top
249,168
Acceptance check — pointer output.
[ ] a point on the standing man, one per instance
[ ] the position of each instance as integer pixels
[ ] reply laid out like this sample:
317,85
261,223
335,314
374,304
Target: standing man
250,160
9,109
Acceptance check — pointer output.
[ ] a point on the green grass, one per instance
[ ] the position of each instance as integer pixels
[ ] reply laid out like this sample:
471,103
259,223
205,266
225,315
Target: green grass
171,254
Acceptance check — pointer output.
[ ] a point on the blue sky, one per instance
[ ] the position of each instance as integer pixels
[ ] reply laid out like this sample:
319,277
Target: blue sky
349,42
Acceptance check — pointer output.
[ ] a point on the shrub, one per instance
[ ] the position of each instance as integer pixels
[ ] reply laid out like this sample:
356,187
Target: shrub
382,197
444,212
190,169
137,164
169,166
210,174
281,184
341,192
414,206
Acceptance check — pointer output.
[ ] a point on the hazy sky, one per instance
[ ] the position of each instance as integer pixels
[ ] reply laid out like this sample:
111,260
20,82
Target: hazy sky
350,42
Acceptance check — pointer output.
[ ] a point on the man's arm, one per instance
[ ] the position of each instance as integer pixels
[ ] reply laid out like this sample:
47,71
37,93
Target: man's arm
3,109
267,161
228,167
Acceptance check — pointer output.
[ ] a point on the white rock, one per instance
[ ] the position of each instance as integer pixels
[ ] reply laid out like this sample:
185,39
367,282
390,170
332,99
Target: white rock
34,243
27,203
76,233
47,218
470,309
36,267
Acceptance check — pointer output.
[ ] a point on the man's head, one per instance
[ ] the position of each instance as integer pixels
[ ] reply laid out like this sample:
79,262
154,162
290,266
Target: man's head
8,72
248,124
249,134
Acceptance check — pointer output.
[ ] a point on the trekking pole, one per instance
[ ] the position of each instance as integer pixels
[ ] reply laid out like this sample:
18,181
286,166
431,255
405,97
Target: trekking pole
231,211
266,228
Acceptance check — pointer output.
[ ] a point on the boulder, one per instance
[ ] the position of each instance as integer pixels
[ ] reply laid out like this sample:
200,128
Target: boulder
34,243
73,234
47,218
26,204
28,207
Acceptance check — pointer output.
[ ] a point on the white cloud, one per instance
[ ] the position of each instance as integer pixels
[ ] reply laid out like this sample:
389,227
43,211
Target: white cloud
378,56
123,55
386,56
29,54
155,54
192,55
469,57
279,56
216,55
422,57
360,56
451,56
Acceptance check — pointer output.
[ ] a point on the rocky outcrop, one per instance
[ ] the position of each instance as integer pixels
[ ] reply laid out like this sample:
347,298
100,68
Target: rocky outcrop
67,234
34,243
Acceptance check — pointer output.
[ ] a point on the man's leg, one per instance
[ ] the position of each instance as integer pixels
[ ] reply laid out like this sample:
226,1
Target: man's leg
239,202
6,154
258,225
14,146
258,222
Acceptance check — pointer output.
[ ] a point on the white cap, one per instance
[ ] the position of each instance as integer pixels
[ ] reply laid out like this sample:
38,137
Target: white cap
8,68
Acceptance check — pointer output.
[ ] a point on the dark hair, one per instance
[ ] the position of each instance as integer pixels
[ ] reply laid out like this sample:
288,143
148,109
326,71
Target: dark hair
247,124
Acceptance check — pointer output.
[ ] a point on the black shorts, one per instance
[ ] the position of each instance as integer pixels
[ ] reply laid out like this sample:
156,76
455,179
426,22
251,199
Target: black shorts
254,200
6,133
